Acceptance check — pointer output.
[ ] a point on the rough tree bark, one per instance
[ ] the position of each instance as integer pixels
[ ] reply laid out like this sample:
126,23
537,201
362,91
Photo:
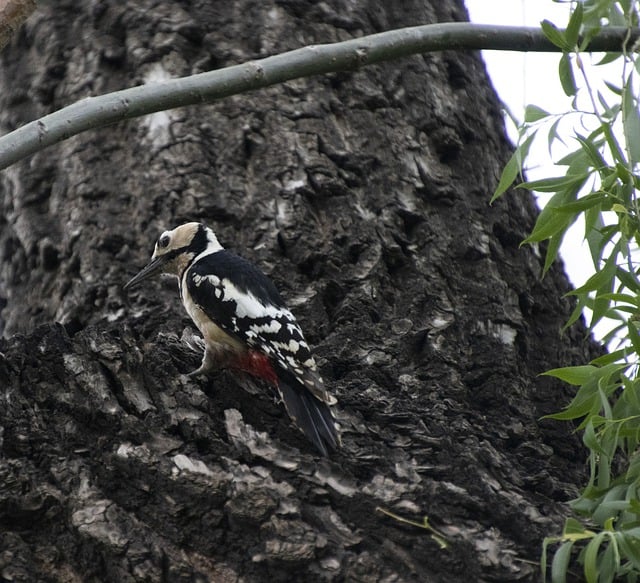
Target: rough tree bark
365,197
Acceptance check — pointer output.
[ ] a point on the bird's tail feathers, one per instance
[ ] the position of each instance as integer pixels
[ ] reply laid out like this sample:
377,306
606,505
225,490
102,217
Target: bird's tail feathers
313,416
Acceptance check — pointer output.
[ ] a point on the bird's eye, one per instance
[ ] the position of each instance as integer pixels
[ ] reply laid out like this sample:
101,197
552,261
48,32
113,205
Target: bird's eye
163,241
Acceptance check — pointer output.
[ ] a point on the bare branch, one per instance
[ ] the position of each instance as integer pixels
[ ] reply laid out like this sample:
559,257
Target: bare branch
96,112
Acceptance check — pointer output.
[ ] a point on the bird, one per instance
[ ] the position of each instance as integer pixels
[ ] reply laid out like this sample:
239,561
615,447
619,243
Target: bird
245,324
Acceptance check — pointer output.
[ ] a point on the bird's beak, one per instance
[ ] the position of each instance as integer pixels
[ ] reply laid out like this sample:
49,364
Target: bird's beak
153,267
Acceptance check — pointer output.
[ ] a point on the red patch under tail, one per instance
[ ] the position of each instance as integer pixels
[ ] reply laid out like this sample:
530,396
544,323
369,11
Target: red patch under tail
258,365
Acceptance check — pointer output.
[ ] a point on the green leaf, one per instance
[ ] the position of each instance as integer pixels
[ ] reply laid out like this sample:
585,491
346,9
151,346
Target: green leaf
609,58
610,357
585,504
573,527
543,557
630,281
548,226
554,184
576,158
587,399
591,558
634,337
555,35
596,239
560,564
618,208
608,565
585,402
512,168
582,204
611,505
609,179
509,174
633,532
605,388
627,544
632,397
603,102
574,375
552,250
575,314
614,312
591,28
613,144
602,283
591,440
624,298
534,113
573,28
601,303
613,88
631,121
549,221
553,135
623,174
567,80
590,149
599,279
609,111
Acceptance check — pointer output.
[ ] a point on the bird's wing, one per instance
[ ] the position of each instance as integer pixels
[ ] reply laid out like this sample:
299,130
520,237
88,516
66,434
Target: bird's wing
240,299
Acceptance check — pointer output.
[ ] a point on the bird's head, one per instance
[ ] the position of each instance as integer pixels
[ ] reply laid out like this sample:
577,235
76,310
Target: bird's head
176,249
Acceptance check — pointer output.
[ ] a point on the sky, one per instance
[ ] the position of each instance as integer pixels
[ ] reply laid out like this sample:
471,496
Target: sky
522,78
525,78
532,78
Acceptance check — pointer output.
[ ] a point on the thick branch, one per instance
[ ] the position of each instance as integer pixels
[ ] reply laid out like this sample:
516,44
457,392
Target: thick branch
95,112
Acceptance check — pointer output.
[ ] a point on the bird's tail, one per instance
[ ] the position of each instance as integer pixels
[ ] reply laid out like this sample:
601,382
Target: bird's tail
313,416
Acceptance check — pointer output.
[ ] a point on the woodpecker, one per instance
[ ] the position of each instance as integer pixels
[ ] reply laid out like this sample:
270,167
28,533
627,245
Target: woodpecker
245,324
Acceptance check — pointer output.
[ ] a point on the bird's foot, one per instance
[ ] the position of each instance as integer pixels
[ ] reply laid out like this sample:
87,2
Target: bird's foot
192,340
208,364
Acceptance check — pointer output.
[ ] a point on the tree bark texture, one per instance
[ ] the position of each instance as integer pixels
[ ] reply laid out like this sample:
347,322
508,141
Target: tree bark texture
364,196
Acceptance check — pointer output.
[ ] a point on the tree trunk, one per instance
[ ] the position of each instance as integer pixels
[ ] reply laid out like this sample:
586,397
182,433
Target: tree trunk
365,197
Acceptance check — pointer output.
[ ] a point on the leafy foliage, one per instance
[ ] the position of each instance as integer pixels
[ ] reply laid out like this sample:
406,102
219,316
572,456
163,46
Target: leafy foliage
597,181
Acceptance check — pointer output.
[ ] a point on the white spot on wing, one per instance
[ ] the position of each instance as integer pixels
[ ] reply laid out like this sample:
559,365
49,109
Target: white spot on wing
292,346
294,329
248,305
272,327
214,280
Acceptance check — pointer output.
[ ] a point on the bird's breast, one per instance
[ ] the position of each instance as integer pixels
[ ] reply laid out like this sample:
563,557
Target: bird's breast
215,337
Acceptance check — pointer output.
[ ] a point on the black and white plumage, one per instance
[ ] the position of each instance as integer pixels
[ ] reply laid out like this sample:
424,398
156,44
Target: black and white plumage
245,324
